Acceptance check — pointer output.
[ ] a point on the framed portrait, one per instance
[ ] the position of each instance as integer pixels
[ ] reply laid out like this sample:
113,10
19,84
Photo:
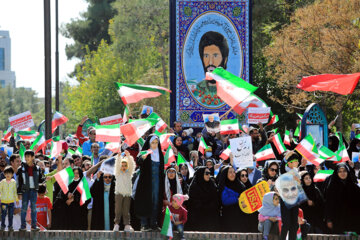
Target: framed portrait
206,35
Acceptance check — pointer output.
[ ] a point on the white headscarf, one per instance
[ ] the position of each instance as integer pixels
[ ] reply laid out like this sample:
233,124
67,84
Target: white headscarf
167,185
155,154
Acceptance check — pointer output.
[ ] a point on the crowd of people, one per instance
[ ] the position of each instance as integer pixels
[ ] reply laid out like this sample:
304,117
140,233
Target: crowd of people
136,195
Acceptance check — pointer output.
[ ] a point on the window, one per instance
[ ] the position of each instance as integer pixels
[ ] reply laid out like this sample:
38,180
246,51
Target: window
2,83
2,59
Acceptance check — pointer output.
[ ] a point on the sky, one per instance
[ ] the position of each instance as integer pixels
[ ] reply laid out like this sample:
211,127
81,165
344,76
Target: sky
24,20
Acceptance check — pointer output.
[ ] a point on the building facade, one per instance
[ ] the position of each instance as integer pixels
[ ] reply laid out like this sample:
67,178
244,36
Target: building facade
7,77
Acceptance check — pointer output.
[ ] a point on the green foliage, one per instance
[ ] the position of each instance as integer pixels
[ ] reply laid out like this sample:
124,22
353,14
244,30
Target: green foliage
138,54
90,29
19,100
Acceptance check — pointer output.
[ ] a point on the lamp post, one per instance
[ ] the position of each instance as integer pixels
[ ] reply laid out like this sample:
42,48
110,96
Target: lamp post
47,45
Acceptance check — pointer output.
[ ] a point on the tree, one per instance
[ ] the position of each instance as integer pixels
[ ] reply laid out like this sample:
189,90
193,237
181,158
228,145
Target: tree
142,24
90,29
19,100
137,54
321,38
267,18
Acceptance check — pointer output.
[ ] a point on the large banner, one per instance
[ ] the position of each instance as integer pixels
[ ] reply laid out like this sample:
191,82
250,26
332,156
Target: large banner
208,34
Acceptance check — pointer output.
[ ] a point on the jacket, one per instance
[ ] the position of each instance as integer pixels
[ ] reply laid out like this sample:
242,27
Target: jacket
23,178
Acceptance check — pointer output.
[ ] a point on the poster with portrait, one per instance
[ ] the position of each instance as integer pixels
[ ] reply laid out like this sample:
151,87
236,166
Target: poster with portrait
206,35
146,110
212,122
289,188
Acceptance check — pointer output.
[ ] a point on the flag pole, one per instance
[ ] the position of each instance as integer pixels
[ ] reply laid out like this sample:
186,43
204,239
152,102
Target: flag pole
77,185
226,113
342,107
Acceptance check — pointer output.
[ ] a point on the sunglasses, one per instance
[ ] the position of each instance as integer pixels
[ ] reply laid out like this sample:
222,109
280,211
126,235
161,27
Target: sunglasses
243,175
207,173
273,169
107,177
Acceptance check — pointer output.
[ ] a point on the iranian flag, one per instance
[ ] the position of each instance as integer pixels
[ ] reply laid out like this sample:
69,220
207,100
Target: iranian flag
202,146
321,175
112,146
38,141
327,154
160,125
357,136
141,142
22,152
274,119
251,101
297,132
226,153
28,135
309,151
145,153
58,119
245,129
79,151
134,130
133,93
181,160
265,153
84,190
164,139
56,148
230,88
108,133
342,152
169,157
7,134
280,147
230,126
64,178
287,138
167,225
126,115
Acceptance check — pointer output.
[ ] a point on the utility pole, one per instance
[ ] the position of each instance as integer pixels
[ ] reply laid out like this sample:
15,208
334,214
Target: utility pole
57,84
47,45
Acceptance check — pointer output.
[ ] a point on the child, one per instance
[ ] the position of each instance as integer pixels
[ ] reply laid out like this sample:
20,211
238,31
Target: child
290,162
43,208
8,196
178,212
269,214
124,169
29,178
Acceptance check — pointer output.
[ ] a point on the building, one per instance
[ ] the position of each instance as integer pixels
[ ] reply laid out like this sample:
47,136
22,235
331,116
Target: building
7,77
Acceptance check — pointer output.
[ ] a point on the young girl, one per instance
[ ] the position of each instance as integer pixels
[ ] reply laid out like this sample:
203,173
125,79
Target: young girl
124,169
269,214
178,212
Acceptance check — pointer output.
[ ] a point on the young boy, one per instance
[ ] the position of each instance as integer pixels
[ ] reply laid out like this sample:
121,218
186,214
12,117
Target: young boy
43,208
8,196
29,178
124,169
179,213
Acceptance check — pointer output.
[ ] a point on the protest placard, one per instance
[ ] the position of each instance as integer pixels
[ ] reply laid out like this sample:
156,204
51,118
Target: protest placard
241,148
251,199
21,121
256,115
115,119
